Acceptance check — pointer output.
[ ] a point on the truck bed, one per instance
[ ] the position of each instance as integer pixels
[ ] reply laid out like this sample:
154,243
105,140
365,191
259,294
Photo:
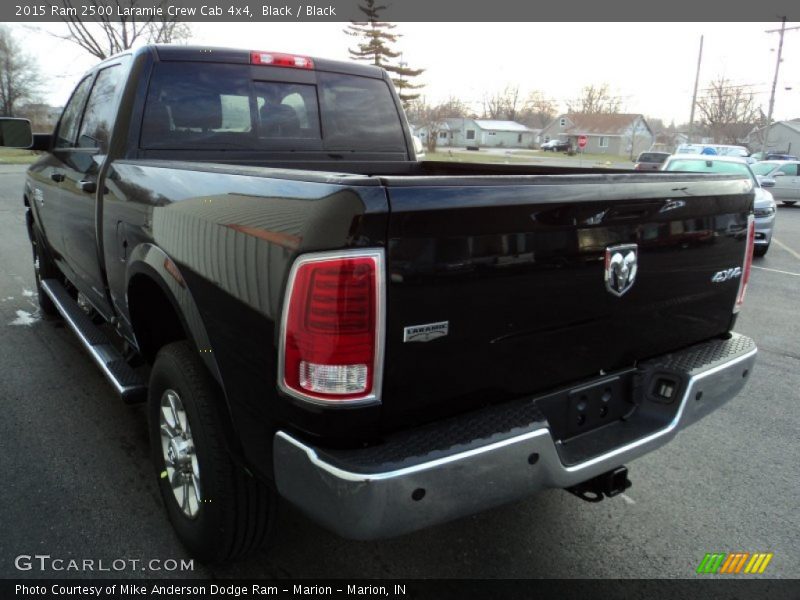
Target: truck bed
511,257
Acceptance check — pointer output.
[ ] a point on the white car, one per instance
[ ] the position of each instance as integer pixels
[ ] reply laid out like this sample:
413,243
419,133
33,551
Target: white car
786,174
764,206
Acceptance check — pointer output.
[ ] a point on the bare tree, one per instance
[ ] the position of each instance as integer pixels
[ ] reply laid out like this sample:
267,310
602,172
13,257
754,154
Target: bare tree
594,100
729,111
454,108
110,34
19,74
431,119
503,104
537,111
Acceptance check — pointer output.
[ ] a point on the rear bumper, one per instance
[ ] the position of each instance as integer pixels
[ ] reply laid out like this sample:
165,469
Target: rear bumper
386,495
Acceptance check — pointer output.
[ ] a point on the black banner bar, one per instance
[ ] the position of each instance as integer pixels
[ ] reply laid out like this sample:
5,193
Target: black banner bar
459,589
398,10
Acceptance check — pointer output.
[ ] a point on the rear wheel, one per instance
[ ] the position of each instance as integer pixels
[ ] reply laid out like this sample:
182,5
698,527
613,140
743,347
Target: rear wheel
219,511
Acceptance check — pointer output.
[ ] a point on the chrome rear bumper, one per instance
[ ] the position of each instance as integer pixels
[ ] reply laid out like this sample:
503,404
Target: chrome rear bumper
371,502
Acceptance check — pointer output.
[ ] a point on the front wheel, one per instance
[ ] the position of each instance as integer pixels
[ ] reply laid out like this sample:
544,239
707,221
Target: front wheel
760,250
219,511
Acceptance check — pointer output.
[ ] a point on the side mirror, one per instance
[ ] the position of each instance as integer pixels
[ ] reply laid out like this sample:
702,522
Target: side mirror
779,174
767,182
15,133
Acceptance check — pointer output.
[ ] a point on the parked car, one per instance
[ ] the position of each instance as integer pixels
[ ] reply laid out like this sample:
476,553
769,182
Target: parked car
712,150
764,207
786,174
759,156
779,156
650,161
387,344
556,146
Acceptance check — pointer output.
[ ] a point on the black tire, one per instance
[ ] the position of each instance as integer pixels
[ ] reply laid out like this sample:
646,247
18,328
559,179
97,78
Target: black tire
236,511
789,202
43,268
760,250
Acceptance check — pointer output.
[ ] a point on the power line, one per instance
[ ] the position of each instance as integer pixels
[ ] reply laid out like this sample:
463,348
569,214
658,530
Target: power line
782,30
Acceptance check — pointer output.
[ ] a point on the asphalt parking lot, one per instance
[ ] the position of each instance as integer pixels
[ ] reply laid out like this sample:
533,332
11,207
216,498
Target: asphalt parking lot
77,482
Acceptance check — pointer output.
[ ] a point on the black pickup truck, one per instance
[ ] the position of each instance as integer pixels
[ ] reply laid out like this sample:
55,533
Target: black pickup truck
246,242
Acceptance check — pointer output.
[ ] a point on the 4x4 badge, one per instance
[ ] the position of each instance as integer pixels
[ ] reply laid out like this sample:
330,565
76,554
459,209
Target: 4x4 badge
621,267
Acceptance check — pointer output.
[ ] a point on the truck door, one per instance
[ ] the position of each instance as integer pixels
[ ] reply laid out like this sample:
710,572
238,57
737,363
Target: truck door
48,200
82,188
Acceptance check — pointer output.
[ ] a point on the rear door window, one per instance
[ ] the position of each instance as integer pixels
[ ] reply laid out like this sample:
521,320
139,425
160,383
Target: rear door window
71,117
98,118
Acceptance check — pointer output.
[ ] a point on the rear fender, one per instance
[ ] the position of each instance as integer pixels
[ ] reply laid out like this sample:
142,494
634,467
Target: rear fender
153,262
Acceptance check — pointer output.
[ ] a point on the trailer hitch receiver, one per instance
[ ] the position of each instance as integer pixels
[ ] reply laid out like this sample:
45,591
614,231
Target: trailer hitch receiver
608,484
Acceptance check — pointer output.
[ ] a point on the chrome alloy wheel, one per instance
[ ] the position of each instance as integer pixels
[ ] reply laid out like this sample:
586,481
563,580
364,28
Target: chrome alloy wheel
180,459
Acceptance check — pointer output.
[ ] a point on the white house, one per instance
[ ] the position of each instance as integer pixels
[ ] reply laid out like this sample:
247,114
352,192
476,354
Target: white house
481,133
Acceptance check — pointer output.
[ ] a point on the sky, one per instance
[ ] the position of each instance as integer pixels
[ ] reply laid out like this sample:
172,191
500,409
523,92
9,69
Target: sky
650,66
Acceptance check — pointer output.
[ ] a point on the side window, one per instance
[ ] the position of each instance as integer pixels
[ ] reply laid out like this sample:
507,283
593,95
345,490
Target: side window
98,118
790,170
71,117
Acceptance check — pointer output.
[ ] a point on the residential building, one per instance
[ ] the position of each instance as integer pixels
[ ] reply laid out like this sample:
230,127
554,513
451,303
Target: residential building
784,136
481,133
617,134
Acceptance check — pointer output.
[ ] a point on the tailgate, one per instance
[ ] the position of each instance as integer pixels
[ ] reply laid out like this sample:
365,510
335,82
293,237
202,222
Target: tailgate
516,267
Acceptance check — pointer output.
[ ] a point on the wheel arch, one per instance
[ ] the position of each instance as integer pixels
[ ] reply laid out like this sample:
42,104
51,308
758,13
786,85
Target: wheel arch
153,277
154,281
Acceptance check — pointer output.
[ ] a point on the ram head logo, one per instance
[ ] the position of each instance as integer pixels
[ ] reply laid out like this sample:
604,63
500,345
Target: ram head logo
621,267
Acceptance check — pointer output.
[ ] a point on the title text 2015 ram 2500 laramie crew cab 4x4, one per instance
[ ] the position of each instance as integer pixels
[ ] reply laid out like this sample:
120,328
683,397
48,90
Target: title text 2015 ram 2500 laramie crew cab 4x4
245,241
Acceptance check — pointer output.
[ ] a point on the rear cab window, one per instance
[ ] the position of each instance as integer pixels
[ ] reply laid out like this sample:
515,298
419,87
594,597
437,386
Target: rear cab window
243,107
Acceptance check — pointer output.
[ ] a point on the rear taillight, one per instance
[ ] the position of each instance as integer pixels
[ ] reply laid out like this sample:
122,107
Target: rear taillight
331,348
748,263
277,59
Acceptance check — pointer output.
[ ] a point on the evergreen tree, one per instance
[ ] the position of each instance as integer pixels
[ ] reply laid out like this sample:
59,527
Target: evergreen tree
375,45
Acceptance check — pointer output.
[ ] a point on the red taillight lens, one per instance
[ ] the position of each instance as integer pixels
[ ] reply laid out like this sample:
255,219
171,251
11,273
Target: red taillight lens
332,328
748,262
276,59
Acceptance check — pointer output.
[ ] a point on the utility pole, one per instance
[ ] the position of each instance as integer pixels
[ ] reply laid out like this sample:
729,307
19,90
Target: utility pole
694,95
782,30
